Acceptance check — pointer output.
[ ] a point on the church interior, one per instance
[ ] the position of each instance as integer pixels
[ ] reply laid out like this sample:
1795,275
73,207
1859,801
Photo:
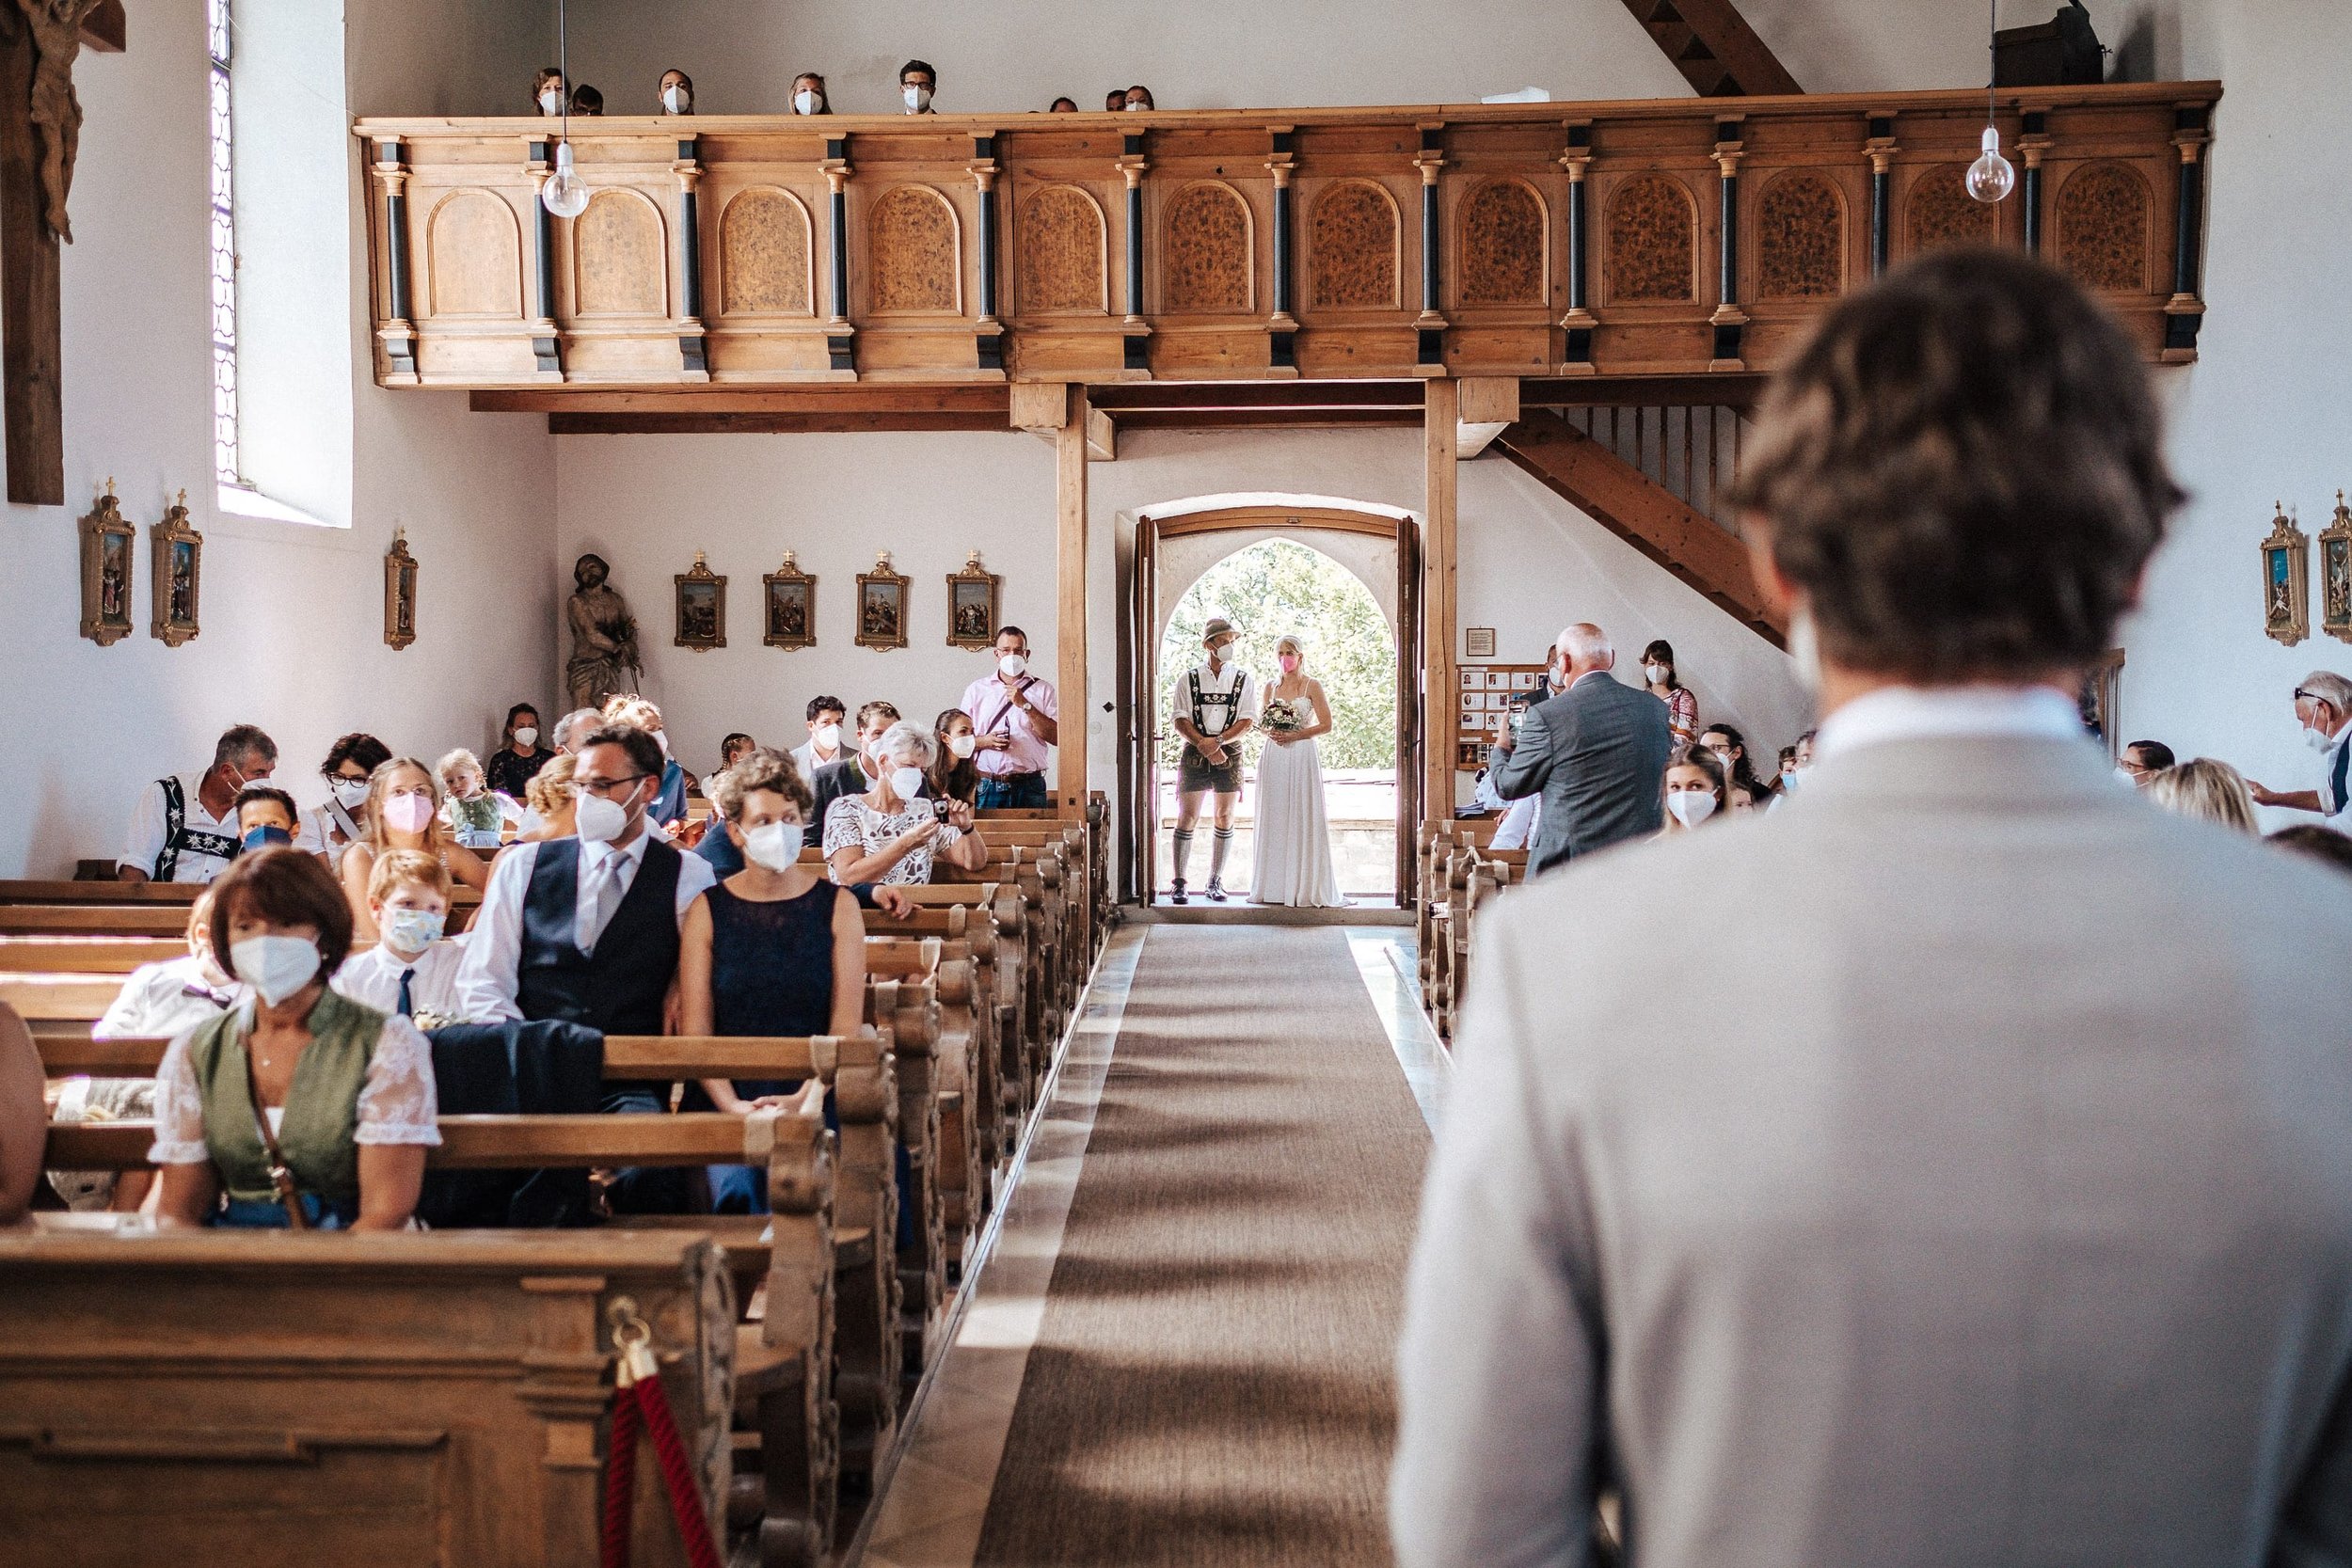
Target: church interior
607,439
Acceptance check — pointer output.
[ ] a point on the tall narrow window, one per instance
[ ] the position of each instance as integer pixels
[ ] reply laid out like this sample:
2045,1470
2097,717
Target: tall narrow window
224,255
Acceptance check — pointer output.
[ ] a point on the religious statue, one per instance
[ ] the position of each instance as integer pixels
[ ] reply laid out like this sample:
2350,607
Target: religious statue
56,110
604,637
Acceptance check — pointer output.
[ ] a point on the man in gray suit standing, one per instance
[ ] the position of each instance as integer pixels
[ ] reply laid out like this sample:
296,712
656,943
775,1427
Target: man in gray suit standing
2009,1219
1597,752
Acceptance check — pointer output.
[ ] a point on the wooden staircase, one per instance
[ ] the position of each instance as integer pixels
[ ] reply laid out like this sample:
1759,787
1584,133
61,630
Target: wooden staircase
1643,513
1714,48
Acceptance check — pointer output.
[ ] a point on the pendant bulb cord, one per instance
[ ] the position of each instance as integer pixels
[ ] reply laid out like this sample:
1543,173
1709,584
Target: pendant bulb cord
563,67
1992,55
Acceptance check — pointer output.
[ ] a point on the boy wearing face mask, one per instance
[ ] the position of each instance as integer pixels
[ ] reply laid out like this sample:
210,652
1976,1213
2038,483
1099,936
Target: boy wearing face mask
1015,716
917,81
823,746
266,815
413,970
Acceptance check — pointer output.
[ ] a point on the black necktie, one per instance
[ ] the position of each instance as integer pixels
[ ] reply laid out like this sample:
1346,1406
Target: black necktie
407,1007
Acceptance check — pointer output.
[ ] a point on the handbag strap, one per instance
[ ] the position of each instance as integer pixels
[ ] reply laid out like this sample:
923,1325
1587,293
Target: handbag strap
281,1175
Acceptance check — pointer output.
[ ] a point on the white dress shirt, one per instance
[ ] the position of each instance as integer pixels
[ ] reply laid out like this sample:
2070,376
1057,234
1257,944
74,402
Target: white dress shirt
488,979
155,1000
804,756
1948,712
319,826
146,839
372,978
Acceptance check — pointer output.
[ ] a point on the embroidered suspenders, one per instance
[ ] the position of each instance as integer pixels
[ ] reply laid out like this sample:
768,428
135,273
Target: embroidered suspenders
1229,701
179,837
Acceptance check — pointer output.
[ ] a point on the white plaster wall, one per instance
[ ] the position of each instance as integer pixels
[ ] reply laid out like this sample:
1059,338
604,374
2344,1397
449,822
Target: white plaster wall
292,616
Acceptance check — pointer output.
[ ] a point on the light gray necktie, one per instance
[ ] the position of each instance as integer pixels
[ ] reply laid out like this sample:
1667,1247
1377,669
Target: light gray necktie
604,896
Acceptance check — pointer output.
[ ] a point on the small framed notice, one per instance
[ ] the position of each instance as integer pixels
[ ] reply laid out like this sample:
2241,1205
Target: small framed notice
1478,643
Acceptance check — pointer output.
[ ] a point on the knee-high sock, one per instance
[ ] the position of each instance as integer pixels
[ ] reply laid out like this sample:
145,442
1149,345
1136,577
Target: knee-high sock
1182,857
1218,846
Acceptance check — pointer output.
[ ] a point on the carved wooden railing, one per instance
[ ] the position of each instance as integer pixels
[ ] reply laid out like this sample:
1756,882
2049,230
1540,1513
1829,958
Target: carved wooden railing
1671,237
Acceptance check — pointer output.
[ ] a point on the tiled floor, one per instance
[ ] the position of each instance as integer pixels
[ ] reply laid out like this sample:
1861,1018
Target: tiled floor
933,1506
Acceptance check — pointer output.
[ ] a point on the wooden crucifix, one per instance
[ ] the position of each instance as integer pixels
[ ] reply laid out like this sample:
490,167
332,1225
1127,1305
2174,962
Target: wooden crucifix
40,124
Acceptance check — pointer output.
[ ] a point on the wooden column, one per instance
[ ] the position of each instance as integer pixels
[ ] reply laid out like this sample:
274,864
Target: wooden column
1440,412
1070,634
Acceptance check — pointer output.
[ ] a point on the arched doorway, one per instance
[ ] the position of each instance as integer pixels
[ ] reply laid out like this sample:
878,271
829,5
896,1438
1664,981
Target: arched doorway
1355,572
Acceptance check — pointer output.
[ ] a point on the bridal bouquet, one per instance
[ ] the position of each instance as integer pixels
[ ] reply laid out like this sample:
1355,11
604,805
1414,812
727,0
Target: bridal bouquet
1283,715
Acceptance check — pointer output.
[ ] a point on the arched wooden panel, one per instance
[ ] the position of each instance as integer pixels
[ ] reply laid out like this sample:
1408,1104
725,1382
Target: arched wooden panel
1059,235
764,254
914,253
617,257
1499,233
1801,238
1206,259
1352,260
2103,228
473,257
1653,241
1943,212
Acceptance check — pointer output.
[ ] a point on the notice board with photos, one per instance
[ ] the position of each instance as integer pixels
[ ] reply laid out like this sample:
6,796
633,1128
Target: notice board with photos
1483,705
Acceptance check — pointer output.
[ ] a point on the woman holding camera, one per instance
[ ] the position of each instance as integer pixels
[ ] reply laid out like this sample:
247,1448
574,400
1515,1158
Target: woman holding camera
891,834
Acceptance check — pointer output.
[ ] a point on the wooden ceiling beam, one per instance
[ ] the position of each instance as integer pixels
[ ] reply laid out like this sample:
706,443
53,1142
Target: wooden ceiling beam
766,423
883,398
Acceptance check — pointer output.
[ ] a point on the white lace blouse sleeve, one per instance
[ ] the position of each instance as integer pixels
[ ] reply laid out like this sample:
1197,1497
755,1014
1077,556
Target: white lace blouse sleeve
179,1109
397,1103
843,830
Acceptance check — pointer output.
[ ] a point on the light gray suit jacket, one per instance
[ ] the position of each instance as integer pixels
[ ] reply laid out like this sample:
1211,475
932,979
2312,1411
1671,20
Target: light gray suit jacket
1986,1202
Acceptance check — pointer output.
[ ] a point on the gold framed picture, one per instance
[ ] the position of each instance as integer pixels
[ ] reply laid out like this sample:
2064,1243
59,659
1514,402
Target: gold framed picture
790,595
2335,573
107,541
178,574
702,607
2286,581
972,605
881,606
400,593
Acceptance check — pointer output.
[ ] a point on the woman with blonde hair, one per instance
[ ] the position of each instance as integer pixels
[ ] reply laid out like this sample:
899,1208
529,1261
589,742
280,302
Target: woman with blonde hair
403,811
2206,789
1292,840
548,796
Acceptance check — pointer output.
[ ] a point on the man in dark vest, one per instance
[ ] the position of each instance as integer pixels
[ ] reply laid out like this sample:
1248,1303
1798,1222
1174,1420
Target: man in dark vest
587,929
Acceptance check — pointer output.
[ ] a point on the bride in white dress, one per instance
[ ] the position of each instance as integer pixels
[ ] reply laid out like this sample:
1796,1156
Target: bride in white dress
1293,847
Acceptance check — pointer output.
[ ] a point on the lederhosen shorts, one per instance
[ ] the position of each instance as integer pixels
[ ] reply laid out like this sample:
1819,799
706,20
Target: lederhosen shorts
1199,773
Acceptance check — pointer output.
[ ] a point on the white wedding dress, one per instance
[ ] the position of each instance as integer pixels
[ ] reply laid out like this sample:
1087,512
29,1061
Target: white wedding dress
1293,847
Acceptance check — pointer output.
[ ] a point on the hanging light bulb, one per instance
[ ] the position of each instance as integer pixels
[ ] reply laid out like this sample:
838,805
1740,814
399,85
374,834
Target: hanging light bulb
566,194
1990,178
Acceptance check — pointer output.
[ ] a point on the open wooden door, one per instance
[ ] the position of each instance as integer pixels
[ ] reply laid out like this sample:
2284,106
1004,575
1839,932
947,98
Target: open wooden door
1412,702
1139,765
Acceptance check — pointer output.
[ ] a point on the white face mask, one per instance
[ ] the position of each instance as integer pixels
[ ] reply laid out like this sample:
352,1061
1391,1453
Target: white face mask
962,745
661,738
828,738
598,821
904,782
2123,776
411,931
408,814
805,101
1137,108
2318,741
917,98
1657,674
674,99
1804,648
1013,667
1692,806
277,967
774,845
526,738
350,794
551,101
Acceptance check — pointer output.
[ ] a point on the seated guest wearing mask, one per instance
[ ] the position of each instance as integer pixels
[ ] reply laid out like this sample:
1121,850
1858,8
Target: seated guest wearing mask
2207,790
332,827
413,970
547,812
475,816
774,949
1137,99
587,101
725,854
1015,715
889,833
952,776
299,1106
573,726
850,775
185,828
1520,817
2323,705
402,812
669,802
1115,100
675,94
2003,1213
2140,759
1697,789
917,82
734,748
547,92
1062,106
585,929
266,815
823,746
519,754
1746,790
808,94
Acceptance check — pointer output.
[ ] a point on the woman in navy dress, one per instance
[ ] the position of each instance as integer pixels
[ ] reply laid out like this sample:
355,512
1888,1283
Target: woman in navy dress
775,949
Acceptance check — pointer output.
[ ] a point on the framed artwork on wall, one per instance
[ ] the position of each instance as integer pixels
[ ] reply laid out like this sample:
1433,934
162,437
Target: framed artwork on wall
790,599
2286,581
400,593
702,607
881,606
972,605
2335,573
178,574
1478,643
107,540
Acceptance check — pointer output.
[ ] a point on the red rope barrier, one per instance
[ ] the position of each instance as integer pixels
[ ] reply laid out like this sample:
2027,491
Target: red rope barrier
641,1404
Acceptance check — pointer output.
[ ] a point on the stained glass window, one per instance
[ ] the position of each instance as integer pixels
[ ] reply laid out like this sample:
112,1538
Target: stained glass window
224,255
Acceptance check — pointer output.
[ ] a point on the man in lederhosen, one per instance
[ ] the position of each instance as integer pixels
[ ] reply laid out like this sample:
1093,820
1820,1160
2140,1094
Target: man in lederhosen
184,829
1216,705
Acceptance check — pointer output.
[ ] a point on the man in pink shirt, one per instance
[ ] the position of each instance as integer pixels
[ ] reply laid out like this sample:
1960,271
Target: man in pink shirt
1013,716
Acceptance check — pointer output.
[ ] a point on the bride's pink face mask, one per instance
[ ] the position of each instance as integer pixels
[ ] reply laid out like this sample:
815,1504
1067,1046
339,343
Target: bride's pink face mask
1289,663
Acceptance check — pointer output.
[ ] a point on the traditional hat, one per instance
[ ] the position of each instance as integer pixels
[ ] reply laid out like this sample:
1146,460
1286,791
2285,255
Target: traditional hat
1218,627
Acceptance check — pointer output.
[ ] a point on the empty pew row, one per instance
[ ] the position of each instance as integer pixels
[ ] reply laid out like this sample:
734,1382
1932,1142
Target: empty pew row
1464,875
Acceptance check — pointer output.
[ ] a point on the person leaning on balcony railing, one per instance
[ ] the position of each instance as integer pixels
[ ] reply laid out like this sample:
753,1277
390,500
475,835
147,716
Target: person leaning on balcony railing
676,92
808,94
547,92
917,82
